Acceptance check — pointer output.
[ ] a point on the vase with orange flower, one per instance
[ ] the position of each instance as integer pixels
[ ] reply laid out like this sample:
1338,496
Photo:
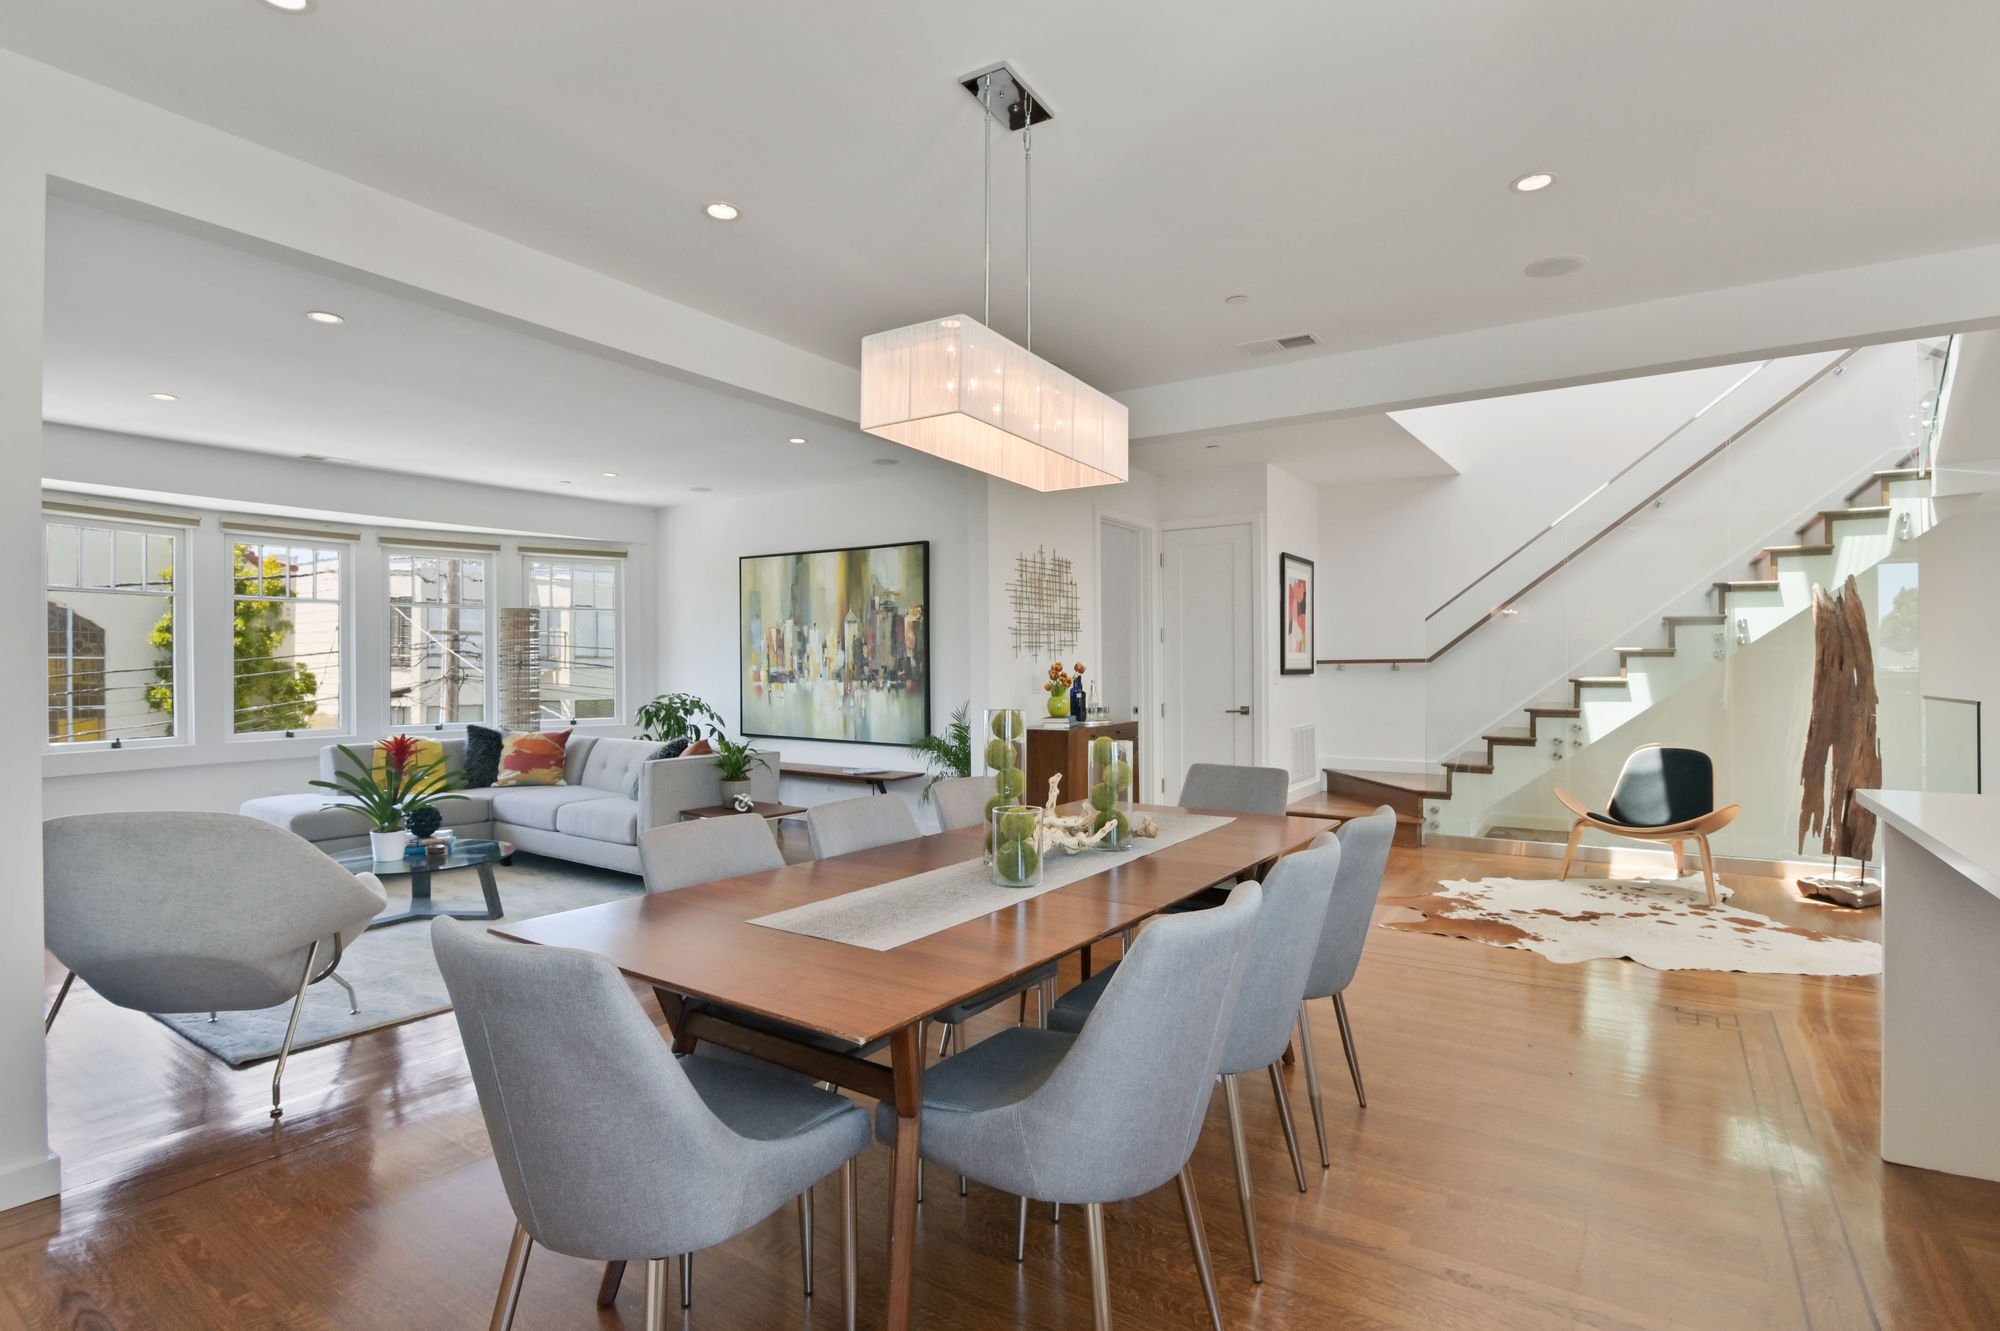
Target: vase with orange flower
1058,691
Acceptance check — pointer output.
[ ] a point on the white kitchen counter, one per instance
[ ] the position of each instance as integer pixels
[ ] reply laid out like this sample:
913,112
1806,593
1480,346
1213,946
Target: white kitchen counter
1940,980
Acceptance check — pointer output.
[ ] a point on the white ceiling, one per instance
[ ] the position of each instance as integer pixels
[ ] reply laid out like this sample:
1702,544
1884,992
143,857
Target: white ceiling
1347,448
136,308
1344,165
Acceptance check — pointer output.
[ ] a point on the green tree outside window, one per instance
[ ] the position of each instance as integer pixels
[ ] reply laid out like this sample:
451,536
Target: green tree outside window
271,694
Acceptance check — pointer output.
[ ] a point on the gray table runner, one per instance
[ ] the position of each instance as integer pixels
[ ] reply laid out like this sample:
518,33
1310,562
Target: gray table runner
891,914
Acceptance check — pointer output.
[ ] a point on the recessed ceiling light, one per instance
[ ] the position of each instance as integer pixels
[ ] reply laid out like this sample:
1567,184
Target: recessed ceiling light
796,439
612,474
324,317
565,482
723,212
163,397
290,6
887,462
1211,446
1533,181
702,489
1235,300
1560,265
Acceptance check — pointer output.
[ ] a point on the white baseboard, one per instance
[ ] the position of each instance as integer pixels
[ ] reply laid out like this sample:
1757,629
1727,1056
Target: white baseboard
30,1182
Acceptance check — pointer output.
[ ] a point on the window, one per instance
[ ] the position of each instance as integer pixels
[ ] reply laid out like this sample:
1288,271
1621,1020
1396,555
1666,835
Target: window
578,601
287,625
111,633
437,639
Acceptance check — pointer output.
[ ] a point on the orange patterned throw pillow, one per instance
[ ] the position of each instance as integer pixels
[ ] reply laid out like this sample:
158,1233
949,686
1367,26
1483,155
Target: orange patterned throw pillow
532,759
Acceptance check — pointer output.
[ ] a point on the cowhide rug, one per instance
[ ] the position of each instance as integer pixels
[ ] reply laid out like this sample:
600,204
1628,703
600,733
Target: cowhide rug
1664,923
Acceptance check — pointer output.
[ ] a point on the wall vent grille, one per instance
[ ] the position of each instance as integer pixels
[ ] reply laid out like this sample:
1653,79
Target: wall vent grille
1305,752
1265,346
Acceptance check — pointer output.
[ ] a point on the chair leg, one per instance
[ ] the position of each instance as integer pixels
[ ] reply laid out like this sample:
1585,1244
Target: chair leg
1312,1082
1100,1275
1347,1043
1680,859
353,1002
850,1225
944,1038
510,1280
687,1280
1708,871
656,1294
607,1288
69,978
1021,1234
1569,856
1285,1117
806,1237
291,1029
958,1047
1198,1240
1241,1155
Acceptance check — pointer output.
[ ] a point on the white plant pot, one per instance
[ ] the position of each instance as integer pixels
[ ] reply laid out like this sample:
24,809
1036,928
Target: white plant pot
731,789
388,845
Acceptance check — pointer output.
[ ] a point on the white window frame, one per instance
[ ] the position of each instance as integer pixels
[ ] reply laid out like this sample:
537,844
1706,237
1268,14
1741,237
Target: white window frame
178,601
345,727
619,668
489,634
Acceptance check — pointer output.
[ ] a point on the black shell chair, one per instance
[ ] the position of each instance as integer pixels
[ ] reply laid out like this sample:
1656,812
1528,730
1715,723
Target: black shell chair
1662,794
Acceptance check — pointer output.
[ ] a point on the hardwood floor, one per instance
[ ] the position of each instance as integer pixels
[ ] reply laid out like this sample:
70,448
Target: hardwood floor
1545,1145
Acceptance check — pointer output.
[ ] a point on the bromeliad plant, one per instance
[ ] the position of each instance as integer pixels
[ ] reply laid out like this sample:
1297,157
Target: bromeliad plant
406,786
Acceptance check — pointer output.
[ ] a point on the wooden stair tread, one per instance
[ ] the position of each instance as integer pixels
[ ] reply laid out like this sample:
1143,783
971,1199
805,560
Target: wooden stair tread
1553,711
1695,619
1419,783
1644,651
1346,806
1600,680
1510,735
1837,514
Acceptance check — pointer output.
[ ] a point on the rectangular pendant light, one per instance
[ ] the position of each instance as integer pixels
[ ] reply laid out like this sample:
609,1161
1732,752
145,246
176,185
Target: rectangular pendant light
957,390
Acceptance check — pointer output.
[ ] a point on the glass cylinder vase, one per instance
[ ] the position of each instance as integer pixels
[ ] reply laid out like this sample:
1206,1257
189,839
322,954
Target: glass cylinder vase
1111,791
1003,754
1015,833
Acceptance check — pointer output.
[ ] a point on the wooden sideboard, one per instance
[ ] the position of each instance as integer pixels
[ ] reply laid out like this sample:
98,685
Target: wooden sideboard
1066,748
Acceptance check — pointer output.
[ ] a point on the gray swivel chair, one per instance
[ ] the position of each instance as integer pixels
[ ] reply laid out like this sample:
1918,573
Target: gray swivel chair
1111,1112
1225,788
1288,928
961,801
610,1147
704,850
198,912
845,826
1364,858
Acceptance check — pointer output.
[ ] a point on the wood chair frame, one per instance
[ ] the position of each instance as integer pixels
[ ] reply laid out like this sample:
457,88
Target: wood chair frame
1697,830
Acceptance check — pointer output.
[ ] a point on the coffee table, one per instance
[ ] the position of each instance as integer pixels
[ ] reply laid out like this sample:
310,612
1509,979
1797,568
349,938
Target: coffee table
480,855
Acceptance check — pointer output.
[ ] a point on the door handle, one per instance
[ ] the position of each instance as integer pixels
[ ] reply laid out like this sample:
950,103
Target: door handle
1236,711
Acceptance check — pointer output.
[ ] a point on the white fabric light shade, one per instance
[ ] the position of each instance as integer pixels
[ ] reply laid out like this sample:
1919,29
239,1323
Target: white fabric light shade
957,390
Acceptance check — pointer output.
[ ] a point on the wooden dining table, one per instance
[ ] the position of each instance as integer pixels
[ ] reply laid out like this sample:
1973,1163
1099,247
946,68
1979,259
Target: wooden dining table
698,944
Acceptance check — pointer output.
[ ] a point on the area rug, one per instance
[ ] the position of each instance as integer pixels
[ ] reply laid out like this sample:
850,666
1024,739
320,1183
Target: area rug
394,977
1664,923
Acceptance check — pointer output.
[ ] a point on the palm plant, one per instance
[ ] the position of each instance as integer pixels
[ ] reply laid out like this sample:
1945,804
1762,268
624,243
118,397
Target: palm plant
405,787
949,754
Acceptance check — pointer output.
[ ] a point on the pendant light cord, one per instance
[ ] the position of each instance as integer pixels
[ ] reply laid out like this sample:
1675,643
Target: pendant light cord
1028,191
986,197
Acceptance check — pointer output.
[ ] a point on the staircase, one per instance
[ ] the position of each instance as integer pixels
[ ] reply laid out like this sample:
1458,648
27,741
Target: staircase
1830,545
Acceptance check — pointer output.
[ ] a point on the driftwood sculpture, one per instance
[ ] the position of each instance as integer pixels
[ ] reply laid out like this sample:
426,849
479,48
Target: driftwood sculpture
1071,833
1843,754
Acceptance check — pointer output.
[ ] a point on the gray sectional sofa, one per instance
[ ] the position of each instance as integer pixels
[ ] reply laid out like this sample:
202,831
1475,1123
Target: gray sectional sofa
613,789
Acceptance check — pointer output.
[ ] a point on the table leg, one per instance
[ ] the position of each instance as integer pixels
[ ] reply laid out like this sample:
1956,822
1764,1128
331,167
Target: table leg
420,892
492,891
1086,961
907,1061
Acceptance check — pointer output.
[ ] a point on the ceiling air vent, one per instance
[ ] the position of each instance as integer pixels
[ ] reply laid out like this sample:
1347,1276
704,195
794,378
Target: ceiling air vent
1266,346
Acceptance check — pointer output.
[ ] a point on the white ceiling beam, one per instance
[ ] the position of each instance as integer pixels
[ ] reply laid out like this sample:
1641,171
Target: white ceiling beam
1879,303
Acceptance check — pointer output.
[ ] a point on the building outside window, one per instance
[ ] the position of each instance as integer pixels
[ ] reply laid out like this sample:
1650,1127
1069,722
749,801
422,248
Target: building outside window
578,603
437,638
110,593
288,612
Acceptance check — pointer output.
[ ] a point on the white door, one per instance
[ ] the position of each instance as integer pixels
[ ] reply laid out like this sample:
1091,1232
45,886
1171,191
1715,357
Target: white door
1121,599
1208,641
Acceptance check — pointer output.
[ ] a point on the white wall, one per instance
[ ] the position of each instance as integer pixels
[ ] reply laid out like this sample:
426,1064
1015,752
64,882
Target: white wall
215,771
1291,526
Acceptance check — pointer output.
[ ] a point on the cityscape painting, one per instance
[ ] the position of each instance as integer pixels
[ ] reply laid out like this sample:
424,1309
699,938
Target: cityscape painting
836,644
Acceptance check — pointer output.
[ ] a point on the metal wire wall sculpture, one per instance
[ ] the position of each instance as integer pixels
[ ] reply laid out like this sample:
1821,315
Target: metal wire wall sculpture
1043,594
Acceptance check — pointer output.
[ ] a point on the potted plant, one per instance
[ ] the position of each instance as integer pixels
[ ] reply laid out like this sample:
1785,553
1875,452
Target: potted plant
677,716
949,754
733,763
406,787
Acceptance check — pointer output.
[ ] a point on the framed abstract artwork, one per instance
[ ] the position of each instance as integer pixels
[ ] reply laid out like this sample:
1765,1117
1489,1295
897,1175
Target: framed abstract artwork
1295,622
836,644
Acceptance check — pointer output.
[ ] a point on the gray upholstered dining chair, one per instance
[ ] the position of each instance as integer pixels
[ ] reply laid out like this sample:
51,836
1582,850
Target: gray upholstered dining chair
961,801
1113,1111
198,912
1226,788
845,826
609,1146
704,850
1364,858
1281,956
